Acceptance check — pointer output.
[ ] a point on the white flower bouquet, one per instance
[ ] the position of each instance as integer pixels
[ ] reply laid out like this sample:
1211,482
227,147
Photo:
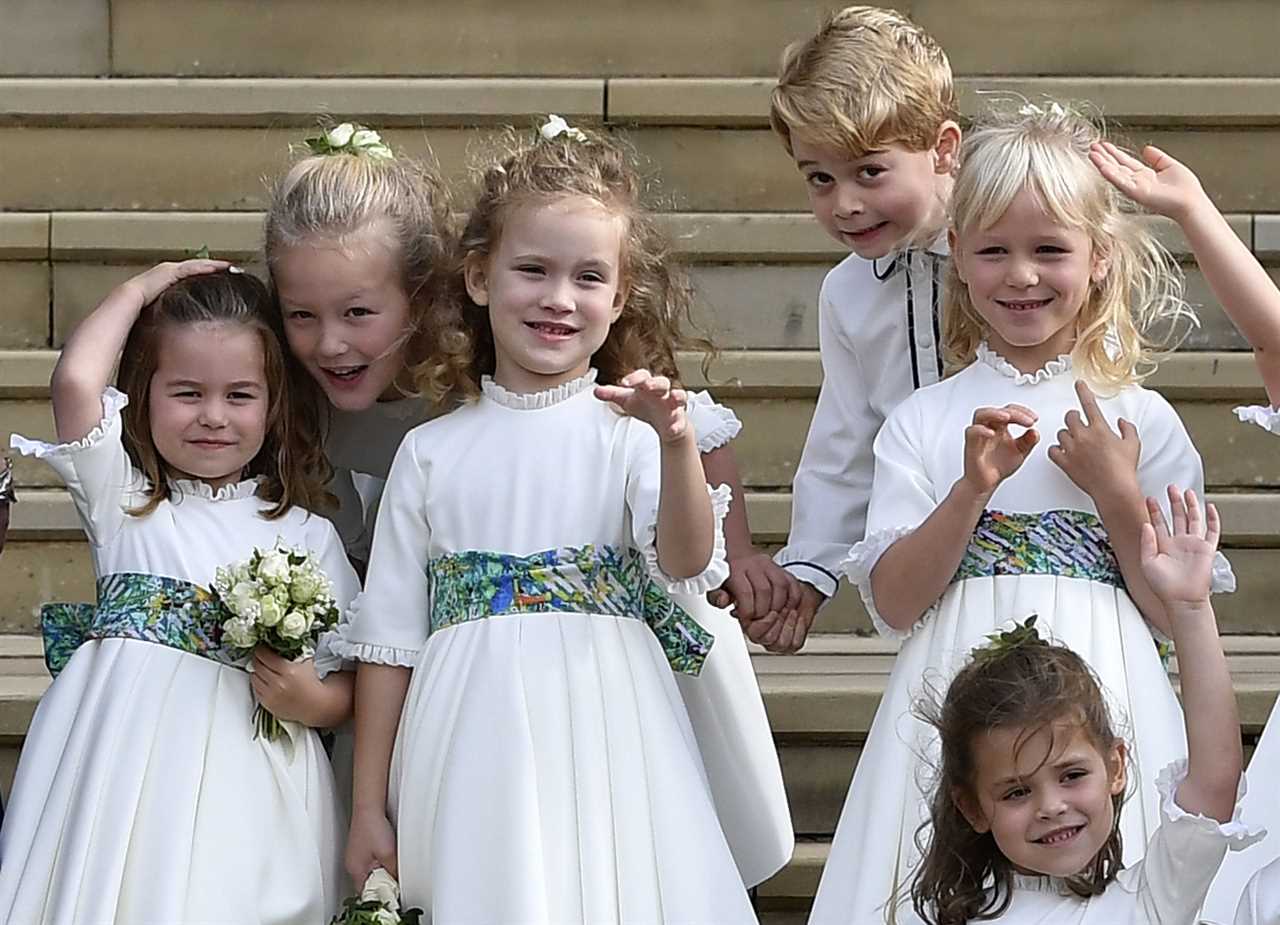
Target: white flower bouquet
281,599
377,904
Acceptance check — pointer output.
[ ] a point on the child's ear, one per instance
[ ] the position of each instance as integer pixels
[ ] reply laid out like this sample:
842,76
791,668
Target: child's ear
946,149
620,301
475,274
1101,266
969,808
1117,768
952,242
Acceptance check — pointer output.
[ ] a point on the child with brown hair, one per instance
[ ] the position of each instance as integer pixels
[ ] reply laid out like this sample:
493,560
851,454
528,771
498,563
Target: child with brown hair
866,108
141,774
1025,814
522,751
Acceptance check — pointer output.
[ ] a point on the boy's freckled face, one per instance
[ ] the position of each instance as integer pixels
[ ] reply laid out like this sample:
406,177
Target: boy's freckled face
874,203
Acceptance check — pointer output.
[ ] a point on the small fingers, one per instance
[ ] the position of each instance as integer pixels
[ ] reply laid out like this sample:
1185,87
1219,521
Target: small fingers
1021,415
1213,526
991,417
633,378
1148,548
1195,519
1027,442
1178,508
1089,402
1155,515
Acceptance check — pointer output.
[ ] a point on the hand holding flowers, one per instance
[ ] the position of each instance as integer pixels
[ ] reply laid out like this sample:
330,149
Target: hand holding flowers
378,904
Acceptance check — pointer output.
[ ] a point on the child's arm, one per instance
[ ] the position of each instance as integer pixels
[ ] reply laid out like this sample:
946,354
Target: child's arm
1178,567
686,526
902,588
1104,465
380,693
1241,285
89,357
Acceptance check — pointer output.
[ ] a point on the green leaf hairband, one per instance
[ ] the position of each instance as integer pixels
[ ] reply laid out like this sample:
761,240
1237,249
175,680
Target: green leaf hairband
349,138
1002,643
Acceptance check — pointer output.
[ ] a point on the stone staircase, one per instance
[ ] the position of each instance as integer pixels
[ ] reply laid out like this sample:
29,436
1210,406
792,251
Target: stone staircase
135,130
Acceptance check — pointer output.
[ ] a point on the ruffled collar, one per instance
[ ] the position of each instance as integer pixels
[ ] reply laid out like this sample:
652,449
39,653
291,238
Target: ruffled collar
532,401
1041,883
1053,368
232,491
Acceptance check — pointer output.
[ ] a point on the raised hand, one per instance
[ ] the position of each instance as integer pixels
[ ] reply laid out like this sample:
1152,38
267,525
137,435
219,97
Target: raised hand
991,453
653,400
1099,461
1178,563
148,285
1157,182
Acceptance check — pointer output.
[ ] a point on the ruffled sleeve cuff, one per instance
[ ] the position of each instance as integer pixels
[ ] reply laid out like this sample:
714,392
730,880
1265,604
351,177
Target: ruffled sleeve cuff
857,566
1223,579
326,660
113,402
342,645
717,569
1237,833
713,423
1265,417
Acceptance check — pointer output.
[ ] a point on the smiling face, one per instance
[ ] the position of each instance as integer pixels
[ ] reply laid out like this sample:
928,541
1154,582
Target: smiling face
553,287
209,399
878,202
1028,277
346,315
1045,797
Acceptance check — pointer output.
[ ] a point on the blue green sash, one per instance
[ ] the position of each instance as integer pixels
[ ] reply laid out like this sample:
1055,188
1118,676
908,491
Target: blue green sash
1068,544
133,605
474,585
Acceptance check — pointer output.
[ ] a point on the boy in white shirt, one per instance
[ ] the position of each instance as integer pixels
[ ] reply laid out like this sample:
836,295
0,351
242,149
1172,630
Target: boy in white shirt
866,107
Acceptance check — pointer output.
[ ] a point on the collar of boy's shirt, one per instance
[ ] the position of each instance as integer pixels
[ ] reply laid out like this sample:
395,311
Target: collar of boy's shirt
885,268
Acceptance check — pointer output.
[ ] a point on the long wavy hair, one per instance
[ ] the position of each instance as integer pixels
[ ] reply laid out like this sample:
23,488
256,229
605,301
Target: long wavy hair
1032,685
522,169
290,467
1044,148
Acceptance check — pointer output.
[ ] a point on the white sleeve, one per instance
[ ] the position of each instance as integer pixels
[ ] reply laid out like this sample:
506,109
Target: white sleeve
390,620
832,485
902,496
349,518
1170,458
1264,416
1260,902
95,468
331,555
644,484
1185,852
713,423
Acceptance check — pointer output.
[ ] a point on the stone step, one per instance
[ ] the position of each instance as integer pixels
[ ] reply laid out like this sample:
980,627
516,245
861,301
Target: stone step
554,37
757,274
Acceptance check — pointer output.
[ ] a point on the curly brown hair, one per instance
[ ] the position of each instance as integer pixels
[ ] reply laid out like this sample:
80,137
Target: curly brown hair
524,168
1031,685
291,466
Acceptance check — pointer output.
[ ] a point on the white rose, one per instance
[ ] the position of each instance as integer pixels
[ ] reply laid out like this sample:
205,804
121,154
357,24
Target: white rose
339,135
274,568
382,887
365,137
304,588
293,625
239,632
271,612
243,598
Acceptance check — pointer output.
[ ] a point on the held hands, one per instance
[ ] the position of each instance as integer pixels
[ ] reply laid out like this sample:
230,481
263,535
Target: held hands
991,453
146,287
653,400
756,587
1161,184
371,843
786,632
1178,565
1092,455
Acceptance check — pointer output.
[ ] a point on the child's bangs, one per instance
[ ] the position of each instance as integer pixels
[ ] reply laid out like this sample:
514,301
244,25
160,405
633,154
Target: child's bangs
1064,184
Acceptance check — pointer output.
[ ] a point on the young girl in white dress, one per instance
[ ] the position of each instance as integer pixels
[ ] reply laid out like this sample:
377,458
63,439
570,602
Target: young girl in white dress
972,521
355,242
142,794
1033,773
544,769
1251,300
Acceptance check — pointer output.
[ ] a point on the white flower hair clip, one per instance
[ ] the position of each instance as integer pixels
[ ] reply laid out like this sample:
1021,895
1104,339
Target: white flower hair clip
349,138
556,126
1054,109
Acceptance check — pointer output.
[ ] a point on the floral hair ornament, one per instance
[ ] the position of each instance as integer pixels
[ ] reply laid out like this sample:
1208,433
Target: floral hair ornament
1002,643
349,138
556,126
1053,108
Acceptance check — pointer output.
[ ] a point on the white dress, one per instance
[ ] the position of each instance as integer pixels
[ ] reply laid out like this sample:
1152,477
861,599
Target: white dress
1260,902
141,794
723,701
544,769
1040,548
1262,806
1165,887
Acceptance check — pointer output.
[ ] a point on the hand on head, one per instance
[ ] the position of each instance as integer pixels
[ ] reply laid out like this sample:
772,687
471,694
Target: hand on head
1157,182
148,285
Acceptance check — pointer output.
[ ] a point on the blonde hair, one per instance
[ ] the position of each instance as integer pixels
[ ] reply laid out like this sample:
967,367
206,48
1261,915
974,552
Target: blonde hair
1045,149
522,169
339,195
869,77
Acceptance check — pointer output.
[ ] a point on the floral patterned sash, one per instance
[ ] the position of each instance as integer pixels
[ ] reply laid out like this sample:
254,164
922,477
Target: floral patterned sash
132,605
474,585
1069,544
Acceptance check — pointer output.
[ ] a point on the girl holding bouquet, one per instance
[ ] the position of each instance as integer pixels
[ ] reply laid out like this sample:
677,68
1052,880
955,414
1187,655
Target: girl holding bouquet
143,794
